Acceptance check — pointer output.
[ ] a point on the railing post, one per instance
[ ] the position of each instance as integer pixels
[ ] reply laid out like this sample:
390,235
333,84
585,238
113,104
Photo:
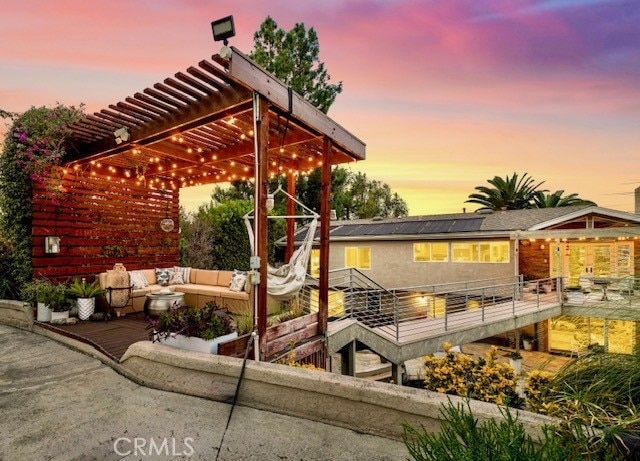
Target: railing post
395,318
446,313
513,300
483,304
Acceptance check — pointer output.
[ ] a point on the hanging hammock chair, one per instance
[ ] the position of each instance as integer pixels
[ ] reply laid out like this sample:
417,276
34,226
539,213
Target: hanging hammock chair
284,282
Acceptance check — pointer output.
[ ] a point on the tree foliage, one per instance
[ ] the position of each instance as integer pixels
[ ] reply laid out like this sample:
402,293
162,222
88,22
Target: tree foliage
292,56
557,199
33,148
518,193
216,236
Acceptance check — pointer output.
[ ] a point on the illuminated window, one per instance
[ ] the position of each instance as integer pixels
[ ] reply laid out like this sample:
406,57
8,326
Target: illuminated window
485,252
314,263
431,252
358,257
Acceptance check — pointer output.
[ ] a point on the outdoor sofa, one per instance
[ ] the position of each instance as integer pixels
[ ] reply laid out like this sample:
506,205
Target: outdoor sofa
203,285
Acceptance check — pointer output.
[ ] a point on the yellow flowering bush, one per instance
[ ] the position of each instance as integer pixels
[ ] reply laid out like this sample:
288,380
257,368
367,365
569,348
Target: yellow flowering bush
482,379
537,390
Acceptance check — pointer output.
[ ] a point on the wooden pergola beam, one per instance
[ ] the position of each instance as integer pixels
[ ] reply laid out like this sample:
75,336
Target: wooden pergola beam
246,72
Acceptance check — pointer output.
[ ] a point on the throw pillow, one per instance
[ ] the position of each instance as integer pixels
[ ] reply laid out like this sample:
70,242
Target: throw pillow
186,273
138,280
175,277
162,276
238,279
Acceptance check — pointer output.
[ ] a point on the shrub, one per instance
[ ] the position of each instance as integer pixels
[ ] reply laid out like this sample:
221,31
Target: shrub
537,390
462,437
481,379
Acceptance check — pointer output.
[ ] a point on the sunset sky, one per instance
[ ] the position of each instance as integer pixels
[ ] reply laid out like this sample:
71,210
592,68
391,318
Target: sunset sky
446,94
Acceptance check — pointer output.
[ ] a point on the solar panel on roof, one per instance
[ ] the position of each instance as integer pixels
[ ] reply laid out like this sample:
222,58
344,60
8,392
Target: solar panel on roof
412,227
383,229
467,225
436,227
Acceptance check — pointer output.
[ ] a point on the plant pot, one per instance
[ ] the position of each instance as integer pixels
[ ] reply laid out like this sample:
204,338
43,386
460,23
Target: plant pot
43,313
516,364
86,307
527,345
191,343
59,315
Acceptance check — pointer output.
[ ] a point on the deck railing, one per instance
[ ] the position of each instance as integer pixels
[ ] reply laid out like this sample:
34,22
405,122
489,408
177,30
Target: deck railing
401,313
603,291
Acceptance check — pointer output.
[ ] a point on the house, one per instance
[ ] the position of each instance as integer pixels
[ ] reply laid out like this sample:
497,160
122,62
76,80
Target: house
570,242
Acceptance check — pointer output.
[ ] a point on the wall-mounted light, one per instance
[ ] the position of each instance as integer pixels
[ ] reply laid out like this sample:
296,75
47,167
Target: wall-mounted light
52,245
121,135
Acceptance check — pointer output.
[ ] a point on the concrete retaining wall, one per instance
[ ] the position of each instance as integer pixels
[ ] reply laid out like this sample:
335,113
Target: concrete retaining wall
16,314
360,405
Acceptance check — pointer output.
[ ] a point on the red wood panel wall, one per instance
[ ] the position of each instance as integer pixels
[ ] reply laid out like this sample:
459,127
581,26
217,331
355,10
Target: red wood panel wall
102,222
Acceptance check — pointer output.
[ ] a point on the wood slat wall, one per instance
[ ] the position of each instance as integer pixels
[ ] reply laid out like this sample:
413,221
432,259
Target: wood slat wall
100,223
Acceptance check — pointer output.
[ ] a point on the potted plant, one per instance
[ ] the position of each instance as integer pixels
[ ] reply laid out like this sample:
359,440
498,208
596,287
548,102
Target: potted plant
194,329
38,291
527,342
86,296
515,360
58,303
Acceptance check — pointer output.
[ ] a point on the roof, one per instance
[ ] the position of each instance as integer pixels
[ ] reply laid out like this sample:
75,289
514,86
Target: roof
198,128
461,225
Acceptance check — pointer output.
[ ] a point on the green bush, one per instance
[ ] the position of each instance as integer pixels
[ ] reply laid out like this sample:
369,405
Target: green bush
463,438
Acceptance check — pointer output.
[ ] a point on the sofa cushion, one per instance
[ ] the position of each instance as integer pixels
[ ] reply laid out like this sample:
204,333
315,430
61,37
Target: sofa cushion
208,290
192,275
224,278
207,277
228,294
150,275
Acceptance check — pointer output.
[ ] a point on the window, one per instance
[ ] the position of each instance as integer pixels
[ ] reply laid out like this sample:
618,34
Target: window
315,263
431,252
485,252
358,257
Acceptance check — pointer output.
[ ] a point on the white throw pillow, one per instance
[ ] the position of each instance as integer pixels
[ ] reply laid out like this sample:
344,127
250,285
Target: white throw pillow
238,279
175,277
138,280
186,273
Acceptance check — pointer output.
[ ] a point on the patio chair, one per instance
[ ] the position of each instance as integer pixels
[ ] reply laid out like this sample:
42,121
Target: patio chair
585,283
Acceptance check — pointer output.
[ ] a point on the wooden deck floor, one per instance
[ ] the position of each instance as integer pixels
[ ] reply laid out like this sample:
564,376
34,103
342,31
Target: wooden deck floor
112,338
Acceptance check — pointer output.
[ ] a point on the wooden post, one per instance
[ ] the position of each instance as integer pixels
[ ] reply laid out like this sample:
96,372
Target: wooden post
325,210
291,210
262,185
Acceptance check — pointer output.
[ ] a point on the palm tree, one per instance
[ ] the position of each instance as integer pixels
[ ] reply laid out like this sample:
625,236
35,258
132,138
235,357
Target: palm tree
510,193
542,200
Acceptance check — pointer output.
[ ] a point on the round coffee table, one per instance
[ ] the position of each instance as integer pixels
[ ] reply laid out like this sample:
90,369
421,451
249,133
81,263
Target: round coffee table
161,301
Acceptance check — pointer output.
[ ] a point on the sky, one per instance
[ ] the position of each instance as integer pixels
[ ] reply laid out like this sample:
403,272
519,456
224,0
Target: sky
445,93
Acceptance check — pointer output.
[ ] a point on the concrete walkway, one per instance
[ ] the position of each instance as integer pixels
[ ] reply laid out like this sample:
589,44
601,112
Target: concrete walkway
59,404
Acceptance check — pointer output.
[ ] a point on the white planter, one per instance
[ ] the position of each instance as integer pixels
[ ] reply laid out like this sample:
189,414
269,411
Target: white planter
86,307
197,344
516,364
59,315
43,313
526,344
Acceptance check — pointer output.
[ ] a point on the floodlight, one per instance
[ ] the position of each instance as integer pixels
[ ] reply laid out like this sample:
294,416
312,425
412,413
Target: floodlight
223,29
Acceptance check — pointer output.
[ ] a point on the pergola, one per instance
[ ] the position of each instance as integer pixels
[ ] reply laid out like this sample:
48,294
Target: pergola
222,120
